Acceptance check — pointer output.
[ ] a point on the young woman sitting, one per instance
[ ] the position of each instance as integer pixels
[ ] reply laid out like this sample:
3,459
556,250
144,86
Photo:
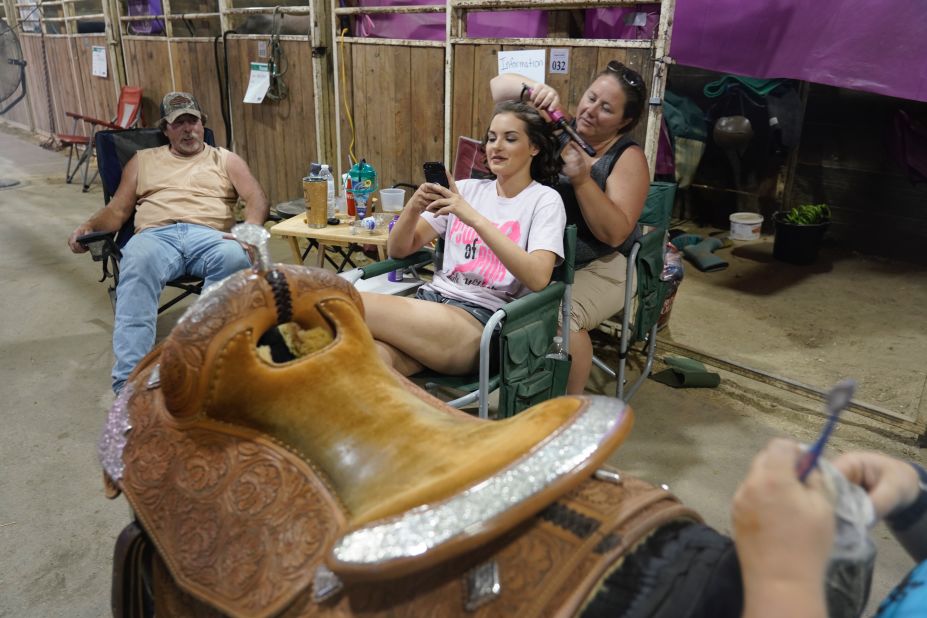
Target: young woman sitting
502,239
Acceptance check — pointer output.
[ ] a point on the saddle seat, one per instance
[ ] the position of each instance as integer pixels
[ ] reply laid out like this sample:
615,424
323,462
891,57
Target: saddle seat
245,471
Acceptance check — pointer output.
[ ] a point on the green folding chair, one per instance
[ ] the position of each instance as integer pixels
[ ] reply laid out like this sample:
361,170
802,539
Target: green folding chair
643,302
525,327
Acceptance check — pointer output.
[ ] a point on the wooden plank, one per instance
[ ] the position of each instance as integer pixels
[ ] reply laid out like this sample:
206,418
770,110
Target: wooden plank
427,110
462,103
147,66
35,81
63,85
276,138
639,60
346,93
195,72
99,93
486,66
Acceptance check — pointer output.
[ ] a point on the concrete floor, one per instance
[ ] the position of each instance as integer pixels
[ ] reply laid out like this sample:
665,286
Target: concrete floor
56,527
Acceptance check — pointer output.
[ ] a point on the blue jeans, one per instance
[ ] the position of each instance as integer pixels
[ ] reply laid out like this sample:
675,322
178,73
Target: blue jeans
150,259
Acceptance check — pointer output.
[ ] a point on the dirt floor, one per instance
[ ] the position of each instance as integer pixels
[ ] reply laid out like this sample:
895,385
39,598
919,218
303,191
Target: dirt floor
846,316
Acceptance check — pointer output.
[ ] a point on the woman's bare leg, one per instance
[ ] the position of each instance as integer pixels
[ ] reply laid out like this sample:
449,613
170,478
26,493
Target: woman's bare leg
401,362
581,353
443,338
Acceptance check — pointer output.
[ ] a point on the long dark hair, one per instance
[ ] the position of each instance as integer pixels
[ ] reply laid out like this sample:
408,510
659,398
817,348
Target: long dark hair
545,165
634,88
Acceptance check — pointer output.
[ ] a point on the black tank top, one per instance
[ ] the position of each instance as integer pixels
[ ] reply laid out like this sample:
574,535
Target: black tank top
588,247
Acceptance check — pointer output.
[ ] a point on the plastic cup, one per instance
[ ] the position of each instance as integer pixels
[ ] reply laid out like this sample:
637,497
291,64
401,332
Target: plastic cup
392,199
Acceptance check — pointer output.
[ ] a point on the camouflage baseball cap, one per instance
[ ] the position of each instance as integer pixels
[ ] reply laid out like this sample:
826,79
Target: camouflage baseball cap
176,104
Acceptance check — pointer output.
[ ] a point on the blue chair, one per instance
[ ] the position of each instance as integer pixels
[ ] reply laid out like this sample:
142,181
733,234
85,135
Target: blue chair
115,149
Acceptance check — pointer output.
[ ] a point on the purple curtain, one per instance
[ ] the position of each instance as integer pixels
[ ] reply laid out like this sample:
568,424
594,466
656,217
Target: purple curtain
430,26
637,22
873,45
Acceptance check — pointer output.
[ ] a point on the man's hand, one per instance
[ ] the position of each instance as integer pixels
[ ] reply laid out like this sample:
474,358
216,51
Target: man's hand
75,246
783,532
891,484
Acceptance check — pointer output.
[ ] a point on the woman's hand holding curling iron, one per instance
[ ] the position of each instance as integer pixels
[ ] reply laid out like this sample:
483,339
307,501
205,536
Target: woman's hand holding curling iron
577,165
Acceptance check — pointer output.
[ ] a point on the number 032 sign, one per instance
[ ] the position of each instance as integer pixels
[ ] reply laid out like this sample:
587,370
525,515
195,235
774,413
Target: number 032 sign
559,60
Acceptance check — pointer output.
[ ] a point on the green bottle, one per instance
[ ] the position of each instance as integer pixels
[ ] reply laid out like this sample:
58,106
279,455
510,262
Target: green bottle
363,183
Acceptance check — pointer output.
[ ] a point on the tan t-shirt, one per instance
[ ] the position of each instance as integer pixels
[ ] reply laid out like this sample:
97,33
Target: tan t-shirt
173,189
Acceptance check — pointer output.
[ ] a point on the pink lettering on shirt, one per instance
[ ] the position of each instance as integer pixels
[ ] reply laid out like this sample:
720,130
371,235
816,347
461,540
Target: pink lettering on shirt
480,258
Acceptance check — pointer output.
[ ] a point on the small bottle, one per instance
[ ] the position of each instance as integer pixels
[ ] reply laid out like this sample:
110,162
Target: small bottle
394,275
556,351
327,175
349,196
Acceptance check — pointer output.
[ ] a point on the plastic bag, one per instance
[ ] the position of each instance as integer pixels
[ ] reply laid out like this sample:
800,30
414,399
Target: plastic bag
852,558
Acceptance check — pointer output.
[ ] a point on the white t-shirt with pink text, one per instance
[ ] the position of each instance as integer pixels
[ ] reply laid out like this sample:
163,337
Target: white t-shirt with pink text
534,219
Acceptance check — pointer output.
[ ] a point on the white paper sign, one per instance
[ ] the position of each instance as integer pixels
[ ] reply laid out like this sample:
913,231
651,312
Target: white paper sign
528,62
98,66
258,84
559,60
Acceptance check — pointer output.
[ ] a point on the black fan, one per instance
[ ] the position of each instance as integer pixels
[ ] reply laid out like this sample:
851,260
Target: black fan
12,77
12,68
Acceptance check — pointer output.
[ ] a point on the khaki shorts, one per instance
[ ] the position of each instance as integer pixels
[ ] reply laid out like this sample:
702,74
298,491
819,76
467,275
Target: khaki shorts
598,291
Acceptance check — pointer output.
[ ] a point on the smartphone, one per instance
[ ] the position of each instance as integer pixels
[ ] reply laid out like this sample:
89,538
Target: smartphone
435,172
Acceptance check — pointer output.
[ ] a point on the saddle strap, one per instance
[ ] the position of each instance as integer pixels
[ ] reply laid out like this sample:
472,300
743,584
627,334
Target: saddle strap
131,564
552,565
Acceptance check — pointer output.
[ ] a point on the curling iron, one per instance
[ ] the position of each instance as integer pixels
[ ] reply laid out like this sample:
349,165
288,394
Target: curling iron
559,120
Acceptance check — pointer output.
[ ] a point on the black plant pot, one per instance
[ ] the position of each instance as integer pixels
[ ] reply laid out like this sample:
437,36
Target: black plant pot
797,244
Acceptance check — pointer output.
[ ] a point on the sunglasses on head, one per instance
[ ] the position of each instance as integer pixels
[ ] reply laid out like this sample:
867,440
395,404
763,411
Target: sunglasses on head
630,77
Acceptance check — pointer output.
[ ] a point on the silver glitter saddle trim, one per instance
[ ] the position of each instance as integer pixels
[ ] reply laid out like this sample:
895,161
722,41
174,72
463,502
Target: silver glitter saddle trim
425,527
113,439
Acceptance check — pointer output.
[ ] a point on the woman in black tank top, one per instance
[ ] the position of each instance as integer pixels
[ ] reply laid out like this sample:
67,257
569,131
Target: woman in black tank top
604,195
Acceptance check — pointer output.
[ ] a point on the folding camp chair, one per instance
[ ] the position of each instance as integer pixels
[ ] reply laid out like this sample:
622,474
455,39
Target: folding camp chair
642,305
114,149
524,329
128,109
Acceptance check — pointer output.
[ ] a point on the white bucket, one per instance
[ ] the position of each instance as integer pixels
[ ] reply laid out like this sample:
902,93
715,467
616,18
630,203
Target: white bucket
746,225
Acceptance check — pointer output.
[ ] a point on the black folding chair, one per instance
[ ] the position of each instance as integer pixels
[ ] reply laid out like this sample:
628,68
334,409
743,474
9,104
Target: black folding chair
114,149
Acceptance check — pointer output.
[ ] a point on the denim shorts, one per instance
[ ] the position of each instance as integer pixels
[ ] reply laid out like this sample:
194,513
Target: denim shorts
482,314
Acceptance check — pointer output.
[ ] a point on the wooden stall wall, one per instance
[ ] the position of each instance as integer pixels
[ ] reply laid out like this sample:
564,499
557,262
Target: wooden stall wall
396,97
35,82
195,72
475,65
98,95
845,160
148,66
74,88
275,138
62,76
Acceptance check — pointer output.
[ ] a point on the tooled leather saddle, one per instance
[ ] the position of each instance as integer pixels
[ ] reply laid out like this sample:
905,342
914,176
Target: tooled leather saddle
328,485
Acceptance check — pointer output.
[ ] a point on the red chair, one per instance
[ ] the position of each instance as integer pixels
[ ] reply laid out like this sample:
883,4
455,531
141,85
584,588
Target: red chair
128,110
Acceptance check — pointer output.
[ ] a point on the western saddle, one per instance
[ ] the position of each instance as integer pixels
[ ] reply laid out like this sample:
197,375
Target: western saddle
330,485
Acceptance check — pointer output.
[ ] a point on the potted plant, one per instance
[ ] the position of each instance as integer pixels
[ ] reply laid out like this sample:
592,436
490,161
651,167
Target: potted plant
799,233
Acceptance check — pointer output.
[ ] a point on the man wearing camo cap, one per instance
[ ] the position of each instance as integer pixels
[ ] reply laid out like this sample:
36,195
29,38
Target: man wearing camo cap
182,195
